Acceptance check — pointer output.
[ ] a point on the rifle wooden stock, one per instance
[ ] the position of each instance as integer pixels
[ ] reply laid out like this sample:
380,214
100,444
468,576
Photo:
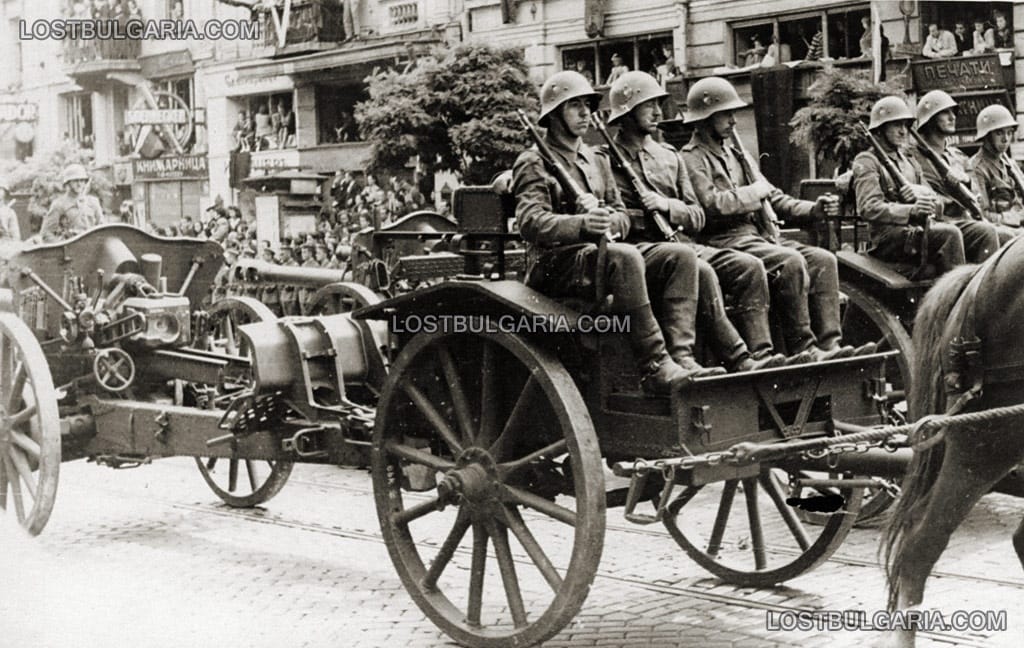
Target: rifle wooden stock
959,191
767,221
885,160
563,175
638,183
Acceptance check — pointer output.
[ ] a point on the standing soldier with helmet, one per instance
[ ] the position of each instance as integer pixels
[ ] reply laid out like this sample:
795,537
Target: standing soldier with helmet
563,232
803,280
999,181
944,170
665,189
74,211
896,216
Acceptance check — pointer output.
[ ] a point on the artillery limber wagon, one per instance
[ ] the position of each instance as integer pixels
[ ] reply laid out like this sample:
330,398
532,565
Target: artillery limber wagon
490,411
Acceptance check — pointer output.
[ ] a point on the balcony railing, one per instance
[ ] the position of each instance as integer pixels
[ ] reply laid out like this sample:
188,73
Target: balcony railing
81,51
311,21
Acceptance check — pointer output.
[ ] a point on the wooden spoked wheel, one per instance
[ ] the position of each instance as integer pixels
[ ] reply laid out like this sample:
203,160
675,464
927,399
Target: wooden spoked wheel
866,319
341,297
493,433
239,482
744,531
30,441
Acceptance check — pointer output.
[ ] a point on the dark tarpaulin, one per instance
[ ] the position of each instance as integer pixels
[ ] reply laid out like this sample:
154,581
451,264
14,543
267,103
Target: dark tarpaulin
772,91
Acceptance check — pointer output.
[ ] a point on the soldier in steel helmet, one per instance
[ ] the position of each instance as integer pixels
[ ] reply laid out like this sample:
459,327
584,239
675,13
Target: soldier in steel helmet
896,216
803,280
936,121
9,229
1001,198
74,211
562,236
635,100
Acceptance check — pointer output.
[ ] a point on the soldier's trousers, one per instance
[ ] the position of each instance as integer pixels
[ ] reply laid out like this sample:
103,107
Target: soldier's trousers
742,277
803,282
981,238
903,243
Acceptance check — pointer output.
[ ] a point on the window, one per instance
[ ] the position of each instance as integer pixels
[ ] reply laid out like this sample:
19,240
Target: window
841,31
78,119
594,61
992,15
335,112
271,121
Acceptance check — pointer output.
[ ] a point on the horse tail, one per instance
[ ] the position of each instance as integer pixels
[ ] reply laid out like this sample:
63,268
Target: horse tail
927,396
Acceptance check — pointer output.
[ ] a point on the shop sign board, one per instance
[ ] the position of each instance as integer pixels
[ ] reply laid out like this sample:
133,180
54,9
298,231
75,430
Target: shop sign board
171,168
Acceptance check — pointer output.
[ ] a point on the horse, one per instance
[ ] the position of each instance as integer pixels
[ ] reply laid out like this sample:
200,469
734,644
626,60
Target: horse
947,476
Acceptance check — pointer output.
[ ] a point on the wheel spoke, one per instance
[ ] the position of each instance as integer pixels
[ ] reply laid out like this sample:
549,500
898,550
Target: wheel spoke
517,416
434,417
12,479
20,376
507,567
684,498
476,575
23,416
26,443
229,335
21,465
515,522
405,516
459,401
250,470
232,475
6,365
538,503
417,456
488,396
211,462
789,516
754,518
553,450
445,553
3,484
722,517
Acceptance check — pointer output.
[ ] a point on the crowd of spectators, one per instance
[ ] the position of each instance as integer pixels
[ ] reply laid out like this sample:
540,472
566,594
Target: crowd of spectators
270,127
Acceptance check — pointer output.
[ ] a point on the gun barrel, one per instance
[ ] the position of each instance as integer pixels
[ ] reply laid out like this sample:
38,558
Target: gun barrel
260,271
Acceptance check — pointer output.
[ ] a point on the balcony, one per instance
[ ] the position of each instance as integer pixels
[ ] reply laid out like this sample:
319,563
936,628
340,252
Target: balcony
90,60
313,25
402,16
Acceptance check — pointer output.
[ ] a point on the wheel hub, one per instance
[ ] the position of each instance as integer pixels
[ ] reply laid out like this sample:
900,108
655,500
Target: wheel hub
474,478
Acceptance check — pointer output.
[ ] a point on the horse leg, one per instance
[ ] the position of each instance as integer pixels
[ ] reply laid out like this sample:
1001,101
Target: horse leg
963,479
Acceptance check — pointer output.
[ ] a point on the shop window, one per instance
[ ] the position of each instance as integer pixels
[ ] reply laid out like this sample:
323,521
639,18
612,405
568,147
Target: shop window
799,34
78,119
833,33
271,122
595,62
335,112
994,16
845,30
751,43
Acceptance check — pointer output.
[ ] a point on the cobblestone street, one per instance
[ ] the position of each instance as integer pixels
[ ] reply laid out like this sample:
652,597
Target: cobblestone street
150,557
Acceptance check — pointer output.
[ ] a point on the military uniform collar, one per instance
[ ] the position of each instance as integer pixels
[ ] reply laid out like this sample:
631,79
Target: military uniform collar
700,139
567,152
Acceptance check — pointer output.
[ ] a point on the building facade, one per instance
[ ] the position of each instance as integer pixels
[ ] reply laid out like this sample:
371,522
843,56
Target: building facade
161,114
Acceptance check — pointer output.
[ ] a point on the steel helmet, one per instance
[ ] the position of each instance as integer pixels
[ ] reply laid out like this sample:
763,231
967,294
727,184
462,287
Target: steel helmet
630,90
708,96
889,109
993,118
563,86
73,172
932,104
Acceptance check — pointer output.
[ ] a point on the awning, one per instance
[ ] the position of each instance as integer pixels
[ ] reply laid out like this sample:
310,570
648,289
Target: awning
169,64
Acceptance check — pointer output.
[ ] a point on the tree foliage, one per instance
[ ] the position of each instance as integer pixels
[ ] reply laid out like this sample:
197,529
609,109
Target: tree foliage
455,109
40,175
828,124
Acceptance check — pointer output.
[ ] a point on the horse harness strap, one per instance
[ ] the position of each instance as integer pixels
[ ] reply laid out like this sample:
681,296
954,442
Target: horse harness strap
963,372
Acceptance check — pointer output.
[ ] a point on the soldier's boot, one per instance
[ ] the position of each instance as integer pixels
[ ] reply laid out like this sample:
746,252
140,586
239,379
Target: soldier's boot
733,351
658,372
679,322
763,360
824,311
754,327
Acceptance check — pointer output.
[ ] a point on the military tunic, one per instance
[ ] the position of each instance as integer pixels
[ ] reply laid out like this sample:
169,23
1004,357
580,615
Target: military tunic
803,280
69,216
742,275
893,238
981,238
996,185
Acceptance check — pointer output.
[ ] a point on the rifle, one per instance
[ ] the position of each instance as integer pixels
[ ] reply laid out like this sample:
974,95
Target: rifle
670,234
1015,173
768,221
959,191
900,182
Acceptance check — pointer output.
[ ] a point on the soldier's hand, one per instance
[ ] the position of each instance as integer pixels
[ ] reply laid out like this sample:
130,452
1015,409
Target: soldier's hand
762,189
908,194
827,205
956,176
597,221
588,202
654,202
691,220
924,207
